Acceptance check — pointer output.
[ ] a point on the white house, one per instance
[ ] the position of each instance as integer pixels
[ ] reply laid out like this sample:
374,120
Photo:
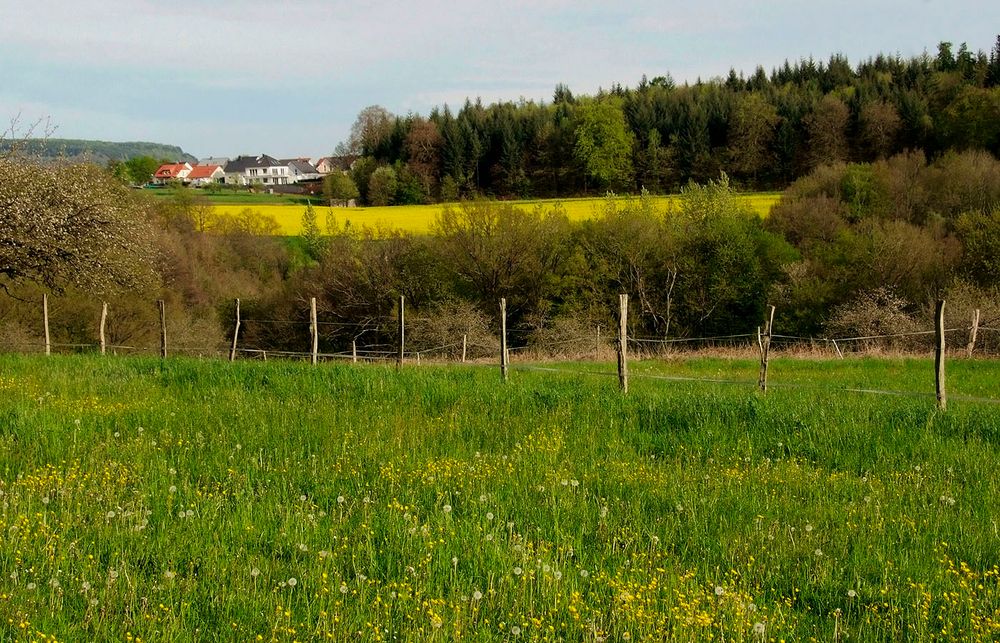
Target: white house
260,170
205,174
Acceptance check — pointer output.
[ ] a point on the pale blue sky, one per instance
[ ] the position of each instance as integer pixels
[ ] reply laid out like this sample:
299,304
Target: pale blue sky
228,77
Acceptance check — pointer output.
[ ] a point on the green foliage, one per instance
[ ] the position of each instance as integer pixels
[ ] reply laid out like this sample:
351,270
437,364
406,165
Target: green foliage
603,141
382,186
340,188
311,232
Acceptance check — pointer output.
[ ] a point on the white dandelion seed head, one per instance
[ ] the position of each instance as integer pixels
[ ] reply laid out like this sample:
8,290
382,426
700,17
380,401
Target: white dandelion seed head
516,631
110,515
303,547
169,574
489,536
477,595
482,498
255,572
446,509
302,498
818,552
454,560
809,528
489,515
85,586
340,500
719,590
851,593
189,513
557,574
758,629
343,588
30,586
584,573
173,488
292,582
518,571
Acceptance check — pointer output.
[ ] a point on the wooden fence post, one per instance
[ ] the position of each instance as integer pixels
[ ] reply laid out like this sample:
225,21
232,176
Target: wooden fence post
465,344
942,396
313,331
236,333
354,351
764,342
597,346
104,321
45,322
503,340
623,343
973,331
163,328
402,331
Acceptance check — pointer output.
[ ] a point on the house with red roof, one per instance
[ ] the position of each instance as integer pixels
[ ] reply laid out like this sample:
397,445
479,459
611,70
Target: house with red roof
205,174
172,172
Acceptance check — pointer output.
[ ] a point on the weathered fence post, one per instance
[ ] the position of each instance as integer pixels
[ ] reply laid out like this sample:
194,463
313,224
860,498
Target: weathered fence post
465,344
45,321
623,343
402,331
942,396
163,328
354,351
236,333
597,345
839,354
764,342
973,331
418,358
504,358
104,321
313,331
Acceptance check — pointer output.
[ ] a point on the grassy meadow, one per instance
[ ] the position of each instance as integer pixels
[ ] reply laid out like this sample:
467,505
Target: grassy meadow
199,500
418,218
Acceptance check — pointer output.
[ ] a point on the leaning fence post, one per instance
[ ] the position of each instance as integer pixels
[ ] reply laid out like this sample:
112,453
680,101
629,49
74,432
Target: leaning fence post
504,358
942,396
465,343
104,321
163,328
236,332
973,331
402,331
764,343
313,331
45,320
623,343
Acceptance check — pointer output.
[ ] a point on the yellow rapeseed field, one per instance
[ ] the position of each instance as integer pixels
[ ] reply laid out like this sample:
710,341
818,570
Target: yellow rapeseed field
419,218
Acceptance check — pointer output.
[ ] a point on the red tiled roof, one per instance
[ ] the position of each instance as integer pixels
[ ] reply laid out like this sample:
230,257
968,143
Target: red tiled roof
202,171
169,170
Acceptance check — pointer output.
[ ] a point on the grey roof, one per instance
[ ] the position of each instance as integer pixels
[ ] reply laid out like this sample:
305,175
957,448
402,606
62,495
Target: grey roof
242,163
214,160
303,166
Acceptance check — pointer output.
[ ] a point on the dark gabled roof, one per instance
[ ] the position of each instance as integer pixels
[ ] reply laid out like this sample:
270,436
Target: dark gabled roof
302,165
241,163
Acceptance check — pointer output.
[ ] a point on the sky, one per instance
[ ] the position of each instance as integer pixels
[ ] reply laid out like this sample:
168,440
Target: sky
288,77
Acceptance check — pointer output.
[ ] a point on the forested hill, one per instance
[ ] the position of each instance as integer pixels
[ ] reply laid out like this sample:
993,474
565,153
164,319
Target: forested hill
764,130
100,152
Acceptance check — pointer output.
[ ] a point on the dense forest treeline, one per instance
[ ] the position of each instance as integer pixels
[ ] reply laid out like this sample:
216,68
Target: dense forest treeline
764,131
97,152
851,248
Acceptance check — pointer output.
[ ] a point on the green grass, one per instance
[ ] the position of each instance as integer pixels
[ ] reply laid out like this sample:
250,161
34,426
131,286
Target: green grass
177,500
232,197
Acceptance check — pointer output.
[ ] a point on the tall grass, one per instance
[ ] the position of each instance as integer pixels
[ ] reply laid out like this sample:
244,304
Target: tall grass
195,500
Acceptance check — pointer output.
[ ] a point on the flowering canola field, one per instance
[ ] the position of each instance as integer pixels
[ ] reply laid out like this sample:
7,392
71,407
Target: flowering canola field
419,218
192,500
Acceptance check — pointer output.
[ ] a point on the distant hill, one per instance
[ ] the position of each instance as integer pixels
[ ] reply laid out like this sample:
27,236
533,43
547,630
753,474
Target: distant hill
100,152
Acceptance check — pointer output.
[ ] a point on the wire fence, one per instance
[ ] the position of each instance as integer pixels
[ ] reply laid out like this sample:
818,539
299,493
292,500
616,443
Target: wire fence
567,354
